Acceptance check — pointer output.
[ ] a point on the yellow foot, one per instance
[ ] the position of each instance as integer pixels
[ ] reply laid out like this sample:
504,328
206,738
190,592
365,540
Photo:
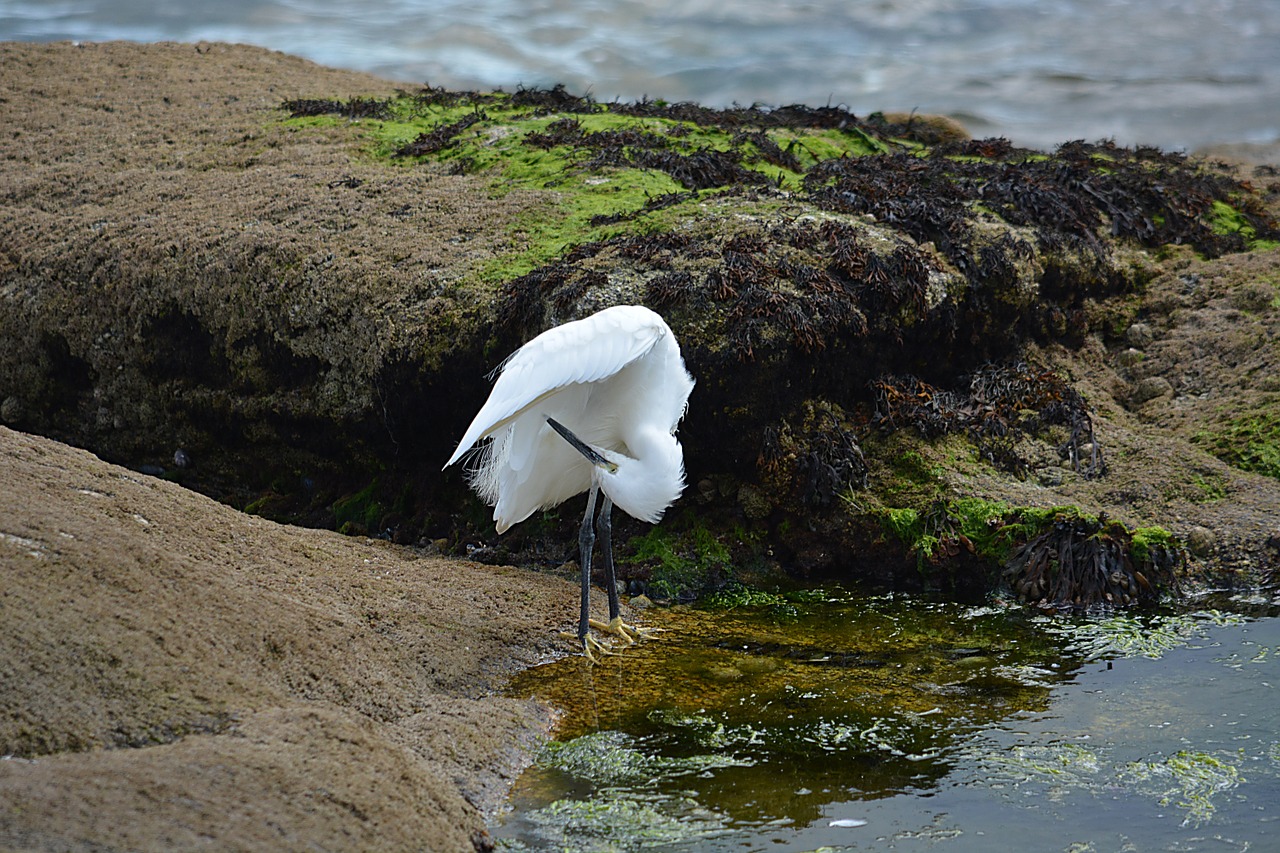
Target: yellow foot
590,646
630,634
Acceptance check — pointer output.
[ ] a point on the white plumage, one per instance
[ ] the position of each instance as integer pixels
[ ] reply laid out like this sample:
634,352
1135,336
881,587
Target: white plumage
617,382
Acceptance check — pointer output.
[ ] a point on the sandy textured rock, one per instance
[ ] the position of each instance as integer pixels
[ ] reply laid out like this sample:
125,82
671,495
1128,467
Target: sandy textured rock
181,270
177,675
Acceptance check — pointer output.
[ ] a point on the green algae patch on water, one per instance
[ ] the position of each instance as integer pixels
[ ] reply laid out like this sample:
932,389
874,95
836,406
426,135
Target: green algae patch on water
642,799
912,719
612,758
1119,635
1192,781
616,821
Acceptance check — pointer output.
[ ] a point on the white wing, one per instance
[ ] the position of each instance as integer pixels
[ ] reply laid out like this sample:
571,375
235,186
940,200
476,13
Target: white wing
585,350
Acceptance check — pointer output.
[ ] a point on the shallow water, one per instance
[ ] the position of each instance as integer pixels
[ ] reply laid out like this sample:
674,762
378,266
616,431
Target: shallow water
1173,73
835,720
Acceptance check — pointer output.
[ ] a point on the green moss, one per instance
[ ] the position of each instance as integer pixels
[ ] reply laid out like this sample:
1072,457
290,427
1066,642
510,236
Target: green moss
982,523
1226,219
985,528
992,530
1249,441
359,513
1211,490
684,563
1030,521
1147,538
904,523
903,476
584,198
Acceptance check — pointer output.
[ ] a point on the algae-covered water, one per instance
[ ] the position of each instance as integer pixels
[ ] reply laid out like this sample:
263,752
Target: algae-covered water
829,720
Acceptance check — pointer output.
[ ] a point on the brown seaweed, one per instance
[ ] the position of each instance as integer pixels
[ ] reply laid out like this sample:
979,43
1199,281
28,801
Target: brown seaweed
1080,562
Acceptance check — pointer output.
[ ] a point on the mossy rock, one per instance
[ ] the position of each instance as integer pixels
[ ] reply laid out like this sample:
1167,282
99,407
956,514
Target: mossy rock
330,329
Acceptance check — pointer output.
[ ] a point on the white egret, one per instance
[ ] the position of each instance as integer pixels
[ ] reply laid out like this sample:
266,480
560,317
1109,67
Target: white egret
589,406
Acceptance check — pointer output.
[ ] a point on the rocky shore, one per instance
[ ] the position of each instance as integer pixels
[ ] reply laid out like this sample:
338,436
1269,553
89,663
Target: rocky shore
219,274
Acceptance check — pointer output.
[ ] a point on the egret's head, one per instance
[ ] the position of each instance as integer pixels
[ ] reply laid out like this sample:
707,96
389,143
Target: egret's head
642,485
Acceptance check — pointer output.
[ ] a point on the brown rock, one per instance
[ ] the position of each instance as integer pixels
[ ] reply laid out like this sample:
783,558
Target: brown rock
180,674
1201,541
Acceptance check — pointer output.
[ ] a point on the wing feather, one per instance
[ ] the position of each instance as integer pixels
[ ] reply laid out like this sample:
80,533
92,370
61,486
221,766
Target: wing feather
581,351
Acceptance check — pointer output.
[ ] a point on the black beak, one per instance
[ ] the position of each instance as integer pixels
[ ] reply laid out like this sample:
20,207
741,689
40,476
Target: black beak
593,456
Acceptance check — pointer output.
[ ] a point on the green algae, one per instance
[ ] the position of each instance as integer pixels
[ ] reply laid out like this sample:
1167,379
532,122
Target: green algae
743,727
617,821
359,512
684,562
988,529
866,693
1227,219
1191,780
1061,763
1145,541
1248,440
1119,635
516,146
613,758
747,676
1025,543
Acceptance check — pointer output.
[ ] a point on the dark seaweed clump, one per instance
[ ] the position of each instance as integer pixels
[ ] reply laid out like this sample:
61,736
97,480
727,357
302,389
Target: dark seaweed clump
1000,403
792,285
1072,197
697,170
356,108
1080,562
558,100
439,138
816,461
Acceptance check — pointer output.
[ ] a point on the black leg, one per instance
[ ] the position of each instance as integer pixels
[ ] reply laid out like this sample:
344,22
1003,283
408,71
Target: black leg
604,527
586,542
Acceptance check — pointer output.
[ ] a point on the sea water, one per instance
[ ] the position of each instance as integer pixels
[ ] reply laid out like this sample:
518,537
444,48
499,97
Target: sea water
834,720
1173,73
